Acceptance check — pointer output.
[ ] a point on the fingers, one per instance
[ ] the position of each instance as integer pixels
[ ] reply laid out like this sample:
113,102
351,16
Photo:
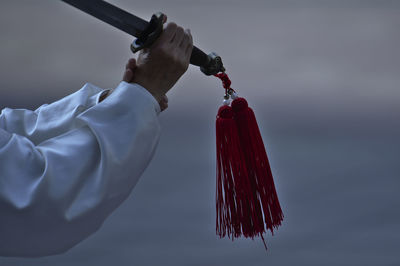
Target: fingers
128,75
129,70
169,32
182,44
179,34
174,36
185,39
187,44
131,64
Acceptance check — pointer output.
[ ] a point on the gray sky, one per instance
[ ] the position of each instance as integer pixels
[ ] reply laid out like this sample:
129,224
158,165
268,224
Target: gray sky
323,79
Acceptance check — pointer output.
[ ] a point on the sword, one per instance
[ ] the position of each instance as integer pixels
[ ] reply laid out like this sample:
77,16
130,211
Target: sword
145,32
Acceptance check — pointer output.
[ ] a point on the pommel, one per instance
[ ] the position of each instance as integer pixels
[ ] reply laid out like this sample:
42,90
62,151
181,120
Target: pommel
213,65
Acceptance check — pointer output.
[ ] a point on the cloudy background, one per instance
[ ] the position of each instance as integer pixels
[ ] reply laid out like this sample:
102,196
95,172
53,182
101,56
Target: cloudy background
323,78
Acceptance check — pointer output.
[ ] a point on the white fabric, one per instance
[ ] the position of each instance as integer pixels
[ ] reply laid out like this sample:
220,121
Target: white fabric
66,166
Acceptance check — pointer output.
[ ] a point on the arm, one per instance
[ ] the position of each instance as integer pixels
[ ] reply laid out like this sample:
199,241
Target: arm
51,120
56,193
61,179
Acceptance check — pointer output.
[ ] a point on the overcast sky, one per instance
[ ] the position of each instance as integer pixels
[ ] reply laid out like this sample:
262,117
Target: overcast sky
323,79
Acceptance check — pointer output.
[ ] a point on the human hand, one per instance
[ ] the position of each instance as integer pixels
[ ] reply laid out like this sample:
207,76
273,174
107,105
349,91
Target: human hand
129,74
160,66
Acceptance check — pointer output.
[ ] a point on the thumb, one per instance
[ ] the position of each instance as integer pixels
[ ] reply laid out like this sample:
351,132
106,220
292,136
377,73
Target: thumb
128,75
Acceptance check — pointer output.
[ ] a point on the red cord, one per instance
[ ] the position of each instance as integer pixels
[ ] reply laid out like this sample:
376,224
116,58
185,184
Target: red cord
226,82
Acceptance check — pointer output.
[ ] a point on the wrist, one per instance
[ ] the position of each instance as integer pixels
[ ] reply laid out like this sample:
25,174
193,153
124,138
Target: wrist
149,87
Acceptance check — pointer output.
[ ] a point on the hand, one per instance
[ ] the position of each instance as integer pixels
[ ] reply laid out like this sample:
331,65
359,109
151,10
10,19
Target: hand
129,74
160,66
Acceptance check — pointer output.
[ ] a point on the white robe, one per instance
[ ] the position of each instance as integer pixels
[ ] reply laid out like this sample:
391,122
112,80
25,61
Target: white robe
66,166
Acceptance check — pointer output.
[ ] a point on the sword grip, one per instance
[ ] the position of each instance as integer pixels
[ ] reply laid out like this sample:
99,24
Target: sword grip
198,57
210,64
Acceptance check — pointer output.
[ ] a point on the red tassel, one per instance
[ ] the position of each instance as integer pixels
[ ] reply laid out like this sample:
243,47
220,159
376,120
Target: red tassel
257,163
246,197
234,198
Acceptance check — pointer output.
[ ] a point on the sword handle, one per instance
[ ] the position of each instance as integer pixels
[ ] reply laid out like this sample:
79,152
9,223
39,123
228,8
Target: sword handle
209,64
150,34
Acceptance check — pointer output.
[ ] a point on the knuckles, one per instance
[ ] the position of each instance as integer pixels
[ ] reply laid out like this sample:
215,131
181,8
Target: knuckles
188,36
171,25
169,55
179,30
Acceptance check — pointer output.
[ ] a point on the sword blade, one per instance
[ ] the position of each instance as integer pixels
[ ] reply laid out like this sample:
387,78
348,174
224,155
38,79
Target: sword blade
111,14
133,25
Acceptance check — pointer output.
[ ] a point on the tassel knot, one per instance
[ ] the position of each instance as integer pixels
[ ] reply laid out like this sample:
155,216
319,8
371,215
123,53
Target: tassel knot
239,105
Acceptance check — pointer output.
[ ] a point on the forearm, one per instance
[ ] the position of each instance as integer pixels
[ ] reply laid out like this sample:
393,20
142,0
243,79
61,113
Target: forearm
50,120
70,183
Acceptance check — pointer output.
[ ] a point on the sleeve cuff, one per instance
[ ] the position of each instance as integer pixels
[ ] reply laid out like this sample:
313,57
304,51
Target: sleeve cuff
133,86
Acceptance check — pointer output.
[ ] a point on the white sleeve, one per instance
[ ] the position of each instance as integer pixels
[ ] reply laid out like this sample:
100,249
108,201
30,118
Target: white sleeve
66,166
